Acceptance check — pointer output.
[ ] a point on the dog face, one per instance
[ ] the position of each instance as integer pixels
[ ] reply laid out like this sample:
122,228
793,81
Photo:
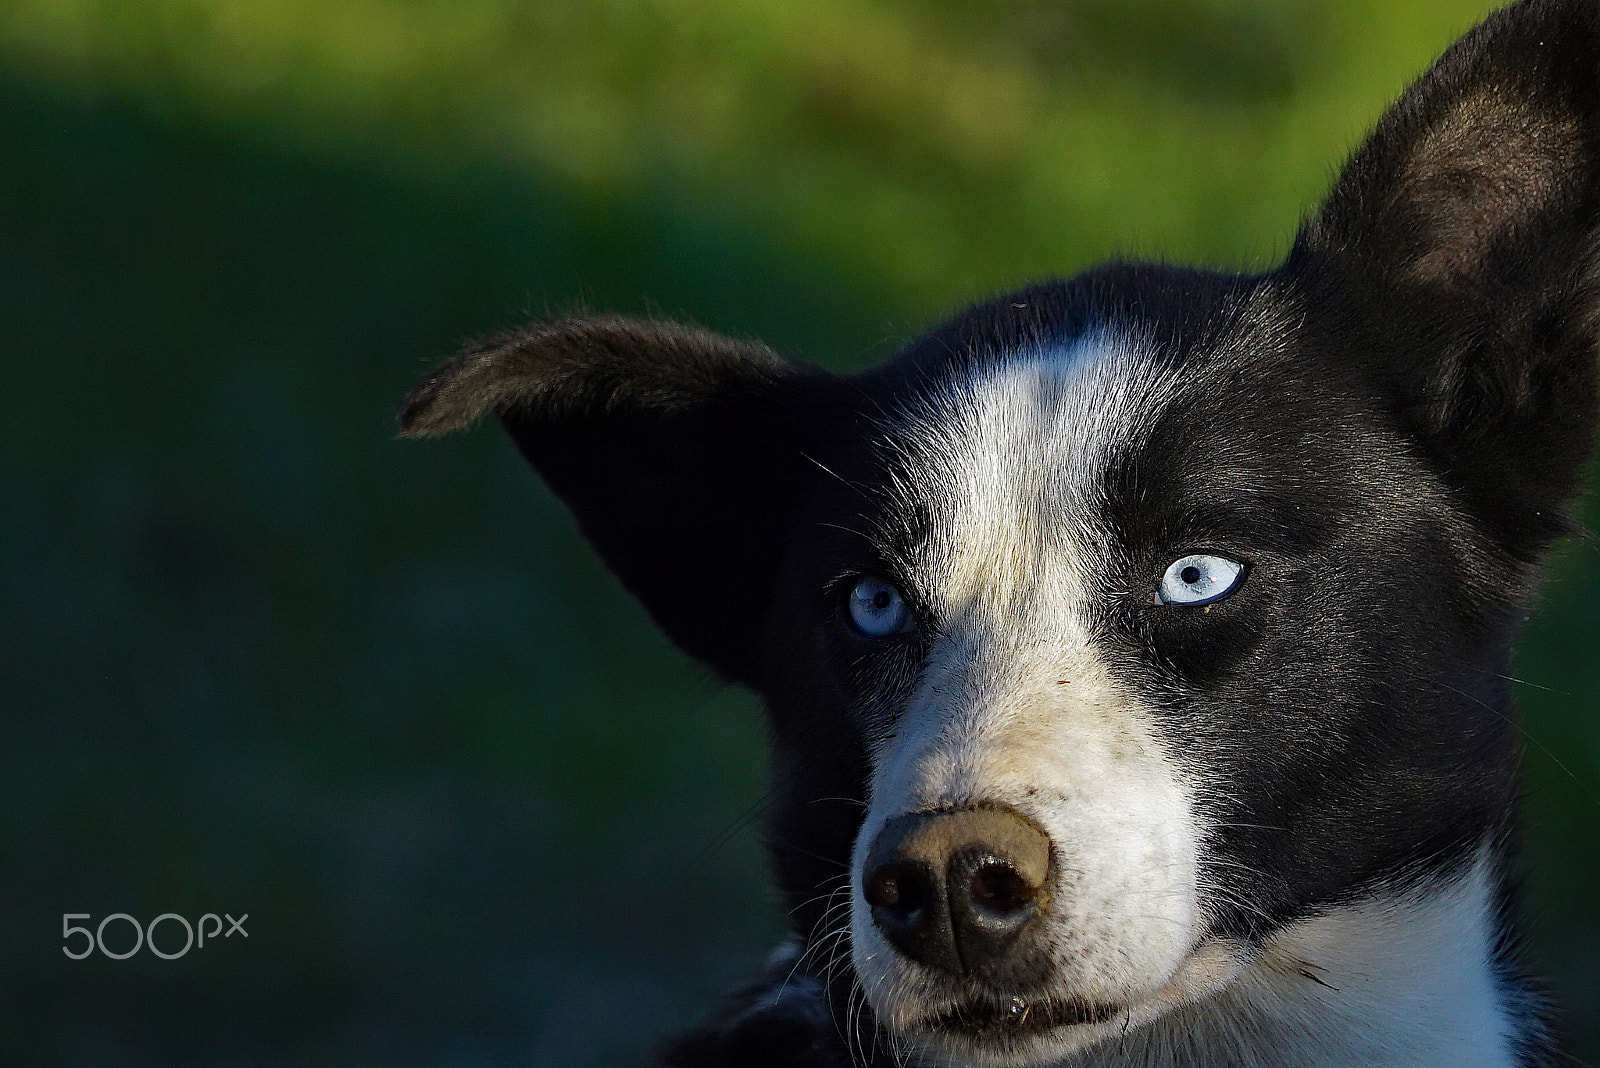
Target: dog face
1119,624
1203,762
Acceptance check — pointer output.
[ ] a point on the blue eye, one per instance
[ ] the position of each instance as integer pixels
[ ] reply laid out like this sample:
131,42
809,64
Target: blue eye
878,610
1199,579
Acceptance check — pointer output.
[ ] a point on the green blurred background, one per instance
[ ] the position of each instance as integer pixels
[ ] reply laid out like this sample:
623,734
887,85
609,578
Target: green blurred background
257,657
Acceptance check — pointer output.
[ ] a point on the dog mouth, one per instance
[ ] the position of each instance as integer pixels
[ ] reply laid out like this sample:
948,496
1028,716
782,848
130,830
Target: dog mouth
997,1023
986,1020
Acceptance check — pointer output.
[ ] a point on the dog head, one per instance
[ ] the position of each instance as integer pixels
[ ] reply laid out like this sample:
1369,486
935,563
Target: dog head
1120,622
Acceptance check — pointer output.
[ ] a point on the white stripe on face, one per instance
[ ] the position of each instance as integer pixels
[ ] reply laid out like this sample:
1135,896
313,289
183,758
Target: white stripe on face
1015,703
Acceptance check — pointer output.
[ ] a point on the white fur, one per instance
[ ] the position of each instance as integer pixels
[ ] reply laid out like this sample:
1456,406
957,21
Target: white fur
1404,979
1015,704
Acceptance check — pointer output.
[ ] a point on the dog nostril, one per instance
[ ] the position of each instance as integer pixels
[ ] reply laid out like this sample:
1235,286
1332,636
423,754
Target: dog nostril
997,887
899,890
907,898
883,888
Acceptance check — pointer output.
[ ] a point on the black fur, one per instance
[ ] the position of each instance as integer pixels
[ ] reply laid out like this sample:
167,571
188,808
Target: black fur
1397,419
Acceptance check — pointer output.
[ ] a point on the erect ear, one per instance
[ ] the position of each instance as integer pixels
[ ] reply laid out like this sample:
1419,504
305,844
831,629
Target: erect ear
1462,238
673,447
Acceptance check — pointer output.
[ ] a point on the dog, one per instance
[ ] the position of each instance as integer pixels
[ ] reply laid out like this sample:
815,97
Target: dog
1135,645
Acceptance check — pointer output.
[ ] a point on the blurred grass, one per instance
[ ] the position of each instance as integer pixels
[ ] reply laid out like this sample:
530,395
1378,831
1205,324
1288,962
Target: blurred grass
937,148
255,656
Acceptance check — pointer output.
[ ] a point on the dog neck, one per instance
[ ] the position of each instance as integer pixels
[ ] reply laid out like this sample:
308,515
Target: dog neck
1406,978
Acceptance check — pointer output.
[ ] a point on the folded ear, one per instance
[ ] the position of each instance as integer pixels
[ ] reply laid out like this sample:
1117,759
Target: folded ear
672,446
1464,234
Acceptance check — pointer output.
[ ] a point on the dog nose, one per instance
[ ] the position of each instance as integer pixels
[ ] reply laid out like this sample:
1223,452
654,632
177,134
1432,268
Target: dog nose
954,889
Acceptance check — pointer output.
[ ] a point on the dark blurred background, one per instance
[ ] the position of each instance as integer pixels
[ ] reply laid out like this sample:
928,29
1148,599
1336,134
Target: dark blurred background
257,657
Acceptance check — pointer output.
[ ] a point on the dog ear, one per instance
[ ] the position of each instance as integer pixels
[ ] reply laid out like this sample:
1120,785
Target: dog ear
1459,245
671,445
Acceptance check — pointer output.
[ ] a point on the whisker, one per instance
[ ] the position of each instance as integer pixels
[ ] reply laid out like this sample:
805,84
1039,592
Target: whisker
751,812
1513,723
